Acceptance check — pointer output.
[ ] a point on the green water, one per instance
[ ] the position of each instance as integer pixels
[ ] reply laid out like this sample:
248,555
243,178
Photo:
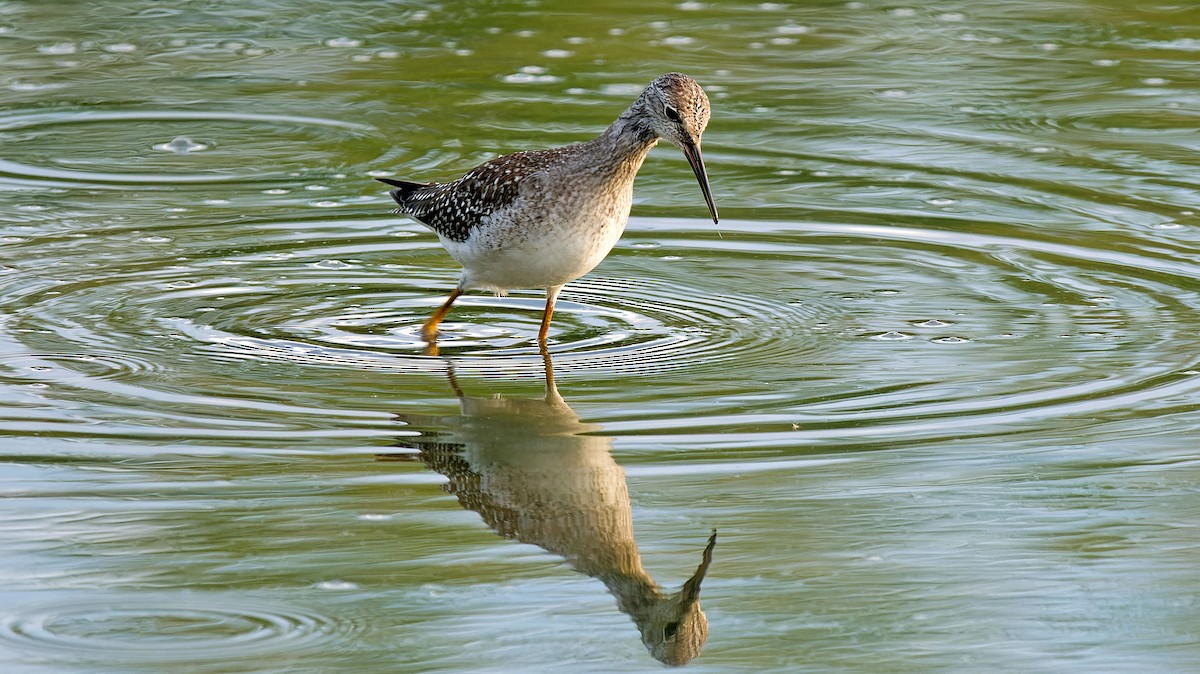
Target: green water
935,380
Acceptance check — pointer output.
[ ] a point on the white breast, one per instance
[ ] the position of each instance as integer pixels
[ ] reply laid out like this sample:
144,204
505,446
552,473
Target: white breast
539,242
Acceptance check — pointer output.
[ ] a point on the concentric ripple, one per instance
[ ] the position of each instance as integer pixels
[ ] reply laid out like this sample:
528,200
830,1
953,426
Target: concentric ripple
844,330
123,147
601,325
162,629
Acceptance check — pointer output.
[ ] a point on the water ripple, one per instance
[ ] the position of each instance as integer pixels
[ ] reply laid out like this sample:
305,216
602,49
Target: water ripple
163,629
88,140
864,331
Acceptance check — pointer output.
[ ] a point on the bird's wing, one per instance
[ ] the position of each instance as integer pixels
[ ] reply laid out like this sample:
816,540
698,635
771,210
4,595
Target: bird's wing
456,208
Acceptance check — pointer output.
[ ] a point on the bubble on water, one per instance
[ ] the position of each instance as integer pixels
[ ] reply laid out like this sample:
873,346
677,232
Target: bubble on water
529,75
931,323
338,585
331,264
58,48
216,202
120,48
558,53
181,145
577,39
950,340
782,41
792,29
326,204
1155,81
254,51
277,190
525,33
690,6
941,201
616,31
374,517
671,258
892,336
155,239
678,40
1039,149
952,16
343,42
576,91
463,52
1105,63
621,89
1049,46
1167,225
316,188
33,208
35,86
388,54
903,11
895,93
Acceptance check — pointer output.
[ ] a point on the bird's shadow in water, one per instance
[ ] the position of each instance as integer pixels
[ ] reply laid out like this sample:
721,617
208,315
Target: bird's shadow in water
535,473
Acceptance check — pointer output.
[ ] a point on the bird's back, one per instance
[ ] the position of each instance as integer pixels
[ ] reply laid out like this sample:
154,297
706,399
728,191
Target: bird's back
455,209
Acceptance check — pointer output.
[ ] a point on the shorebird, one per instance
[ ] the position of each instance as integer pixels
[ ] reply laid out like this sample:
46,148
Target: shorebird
541,218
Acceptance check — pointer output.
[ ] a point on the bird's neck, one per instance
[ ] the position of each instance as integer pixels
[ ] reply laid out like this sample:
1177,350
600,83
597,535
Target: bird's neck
628,140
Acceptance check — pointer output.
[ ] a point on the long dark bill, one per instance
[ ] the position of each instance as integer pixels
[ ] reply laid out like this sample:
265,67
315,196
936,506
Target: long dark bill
692,152
691,589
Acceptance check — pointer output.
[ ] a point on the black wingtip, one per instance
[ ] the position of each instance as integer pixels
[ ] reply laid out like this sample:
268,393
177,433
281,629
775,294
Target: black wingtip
404,189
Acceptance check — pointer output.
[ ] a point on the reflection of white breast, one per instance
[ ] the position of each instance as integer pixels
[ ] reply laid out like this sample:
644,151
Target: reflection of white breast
556,488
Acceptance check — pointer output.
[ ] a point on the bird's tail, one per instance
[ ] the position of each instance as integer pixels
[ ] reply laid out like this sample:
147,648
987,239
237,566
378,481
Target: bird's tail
404,188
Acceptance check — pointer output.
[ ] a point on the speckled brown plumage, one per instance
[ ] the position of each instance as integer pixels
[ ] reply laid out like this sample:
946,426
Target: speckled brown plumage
454,209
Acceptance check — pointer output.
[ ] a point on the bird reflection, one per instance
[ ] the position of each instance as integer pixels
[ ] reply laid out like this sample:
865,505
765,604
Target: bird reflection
536,473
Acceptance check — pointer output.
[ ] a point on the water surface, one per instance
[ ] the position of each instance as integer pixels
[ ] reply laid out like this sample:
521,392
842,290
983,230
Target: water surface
934,380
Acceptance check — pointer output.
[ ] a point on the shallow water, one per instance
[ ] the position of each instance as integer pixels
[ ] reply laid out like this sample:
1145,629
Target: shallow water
934,380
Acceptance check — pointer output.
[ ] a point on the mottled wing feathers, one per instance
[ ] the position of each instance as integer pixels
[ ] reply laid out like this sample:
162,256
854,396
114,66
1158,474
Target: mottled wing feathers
456,208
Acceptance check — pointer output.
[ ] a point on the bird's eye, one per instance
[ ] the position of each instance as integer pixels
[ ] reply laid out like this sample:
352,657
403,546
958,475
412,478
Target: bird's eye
671,113
671,629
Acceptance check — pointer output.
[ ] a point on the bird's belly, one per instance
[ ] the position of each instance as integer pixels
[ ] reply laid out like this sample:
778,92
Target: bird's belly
521,254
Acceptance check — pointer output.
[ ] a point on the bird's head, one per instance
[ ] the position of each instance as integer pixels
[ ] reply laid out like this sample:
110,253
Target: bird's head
677,109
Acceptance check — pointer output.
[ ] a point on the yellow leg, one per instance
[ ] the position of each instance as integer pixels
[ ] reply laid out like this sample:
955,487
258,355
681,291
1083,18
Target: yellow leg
430,330
551,295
